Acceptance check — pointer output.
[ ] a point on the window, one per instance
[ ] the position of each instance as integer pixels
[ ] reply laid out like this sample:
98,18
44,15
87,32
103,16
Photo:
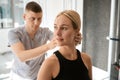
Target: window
5,14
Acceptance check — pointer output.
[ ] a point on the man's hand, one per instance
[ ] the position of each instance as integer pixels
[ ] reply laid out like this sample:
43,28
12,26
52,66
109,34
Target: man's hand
78,39
52,44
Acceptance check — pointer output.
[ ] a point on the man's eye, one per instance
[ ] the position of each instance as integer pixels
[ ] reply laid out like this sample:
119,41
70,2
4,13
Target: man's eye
32,19
39,19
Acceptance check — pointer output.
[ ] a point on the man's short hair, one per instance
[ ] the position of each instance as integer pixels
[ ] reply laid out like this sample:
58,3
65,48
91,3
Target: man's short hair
33,6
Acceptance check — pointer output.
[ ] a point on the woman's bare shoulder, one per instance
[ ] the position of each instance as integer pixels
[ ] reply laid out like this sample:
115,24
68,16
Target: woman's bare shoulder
86,59
88,63
47,68
51,60
85,56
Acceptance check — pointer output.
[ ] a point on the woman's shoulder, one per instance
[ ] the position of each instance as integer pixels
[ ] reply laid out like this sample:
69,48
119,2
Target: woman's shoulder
86,59
48,67
51,60
85,55
50,64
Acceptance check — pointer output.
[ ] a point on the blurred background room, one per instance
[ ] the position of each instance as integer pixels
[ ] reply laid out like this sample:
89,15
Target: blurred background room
100,30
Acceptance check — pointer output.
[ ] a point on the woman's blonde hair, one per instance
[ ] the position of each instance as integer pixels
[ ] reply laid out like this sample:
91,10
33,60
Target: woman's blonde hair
73,16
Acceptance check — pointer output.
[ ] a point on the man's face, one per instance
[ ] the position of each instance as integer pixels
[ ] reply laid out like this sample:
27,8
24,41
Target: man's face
33,20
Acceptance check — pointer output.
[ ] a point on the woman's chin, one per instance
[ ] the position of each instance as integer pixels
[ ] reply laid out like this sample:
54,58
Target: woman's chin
60,44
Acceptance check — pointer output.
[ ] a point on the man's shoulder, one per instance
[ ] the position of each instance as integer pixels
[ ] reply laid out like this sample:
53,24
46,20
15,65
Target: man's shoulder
44,28
20,28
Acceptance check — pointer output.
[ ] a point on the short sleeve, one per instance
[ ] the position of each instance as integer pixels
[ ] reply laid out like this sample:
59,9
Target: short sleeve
51,35
12,37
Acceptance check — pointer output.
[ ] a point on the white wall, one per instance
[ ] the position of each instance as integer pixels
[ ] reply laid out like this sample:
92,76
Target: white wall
4,40
52,7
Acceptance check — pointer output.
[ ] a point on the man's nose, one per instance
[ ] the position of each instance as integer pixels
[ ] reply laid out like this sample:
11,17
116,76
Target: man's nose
36,22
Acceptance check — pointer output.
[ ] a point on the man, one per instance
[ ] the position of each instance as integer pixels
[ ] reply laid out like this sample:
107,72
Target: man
28,43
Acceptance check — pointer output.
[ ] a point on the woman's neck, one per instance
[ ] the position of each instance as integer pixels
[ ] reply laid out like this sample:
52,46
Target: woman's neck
68,52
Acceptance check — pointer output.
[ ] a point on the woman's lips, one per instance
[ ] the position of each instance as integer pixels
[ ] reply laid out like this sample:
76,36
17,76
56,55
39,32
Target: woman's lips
59,39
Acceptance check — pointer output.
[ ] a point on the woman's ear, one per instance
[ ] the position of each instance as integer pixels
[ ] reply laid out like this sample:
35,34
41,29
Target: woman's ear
78,38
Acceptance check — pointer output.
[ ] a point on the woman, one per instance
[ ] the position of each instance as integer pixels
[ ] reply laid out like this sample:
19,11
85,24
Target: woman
67,63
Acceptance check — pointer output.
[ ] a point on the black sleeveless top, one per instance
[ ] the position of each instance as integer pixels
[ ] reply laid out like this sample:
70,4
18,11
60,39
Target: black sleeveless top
71,69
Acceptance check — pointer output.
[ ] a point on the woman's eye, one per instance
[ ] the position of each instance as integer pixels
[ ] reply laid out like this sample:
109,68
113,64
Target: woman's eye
55,27
64,28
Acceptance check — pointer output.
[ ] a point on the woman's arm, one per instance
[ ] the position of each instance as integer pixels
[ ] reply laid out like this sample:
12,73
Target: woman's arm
88,63
48,69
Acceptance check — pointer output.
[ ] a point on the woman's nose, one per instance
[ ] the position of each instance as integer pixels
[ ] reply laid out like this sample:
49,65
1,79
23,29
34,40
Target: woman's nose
58,32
